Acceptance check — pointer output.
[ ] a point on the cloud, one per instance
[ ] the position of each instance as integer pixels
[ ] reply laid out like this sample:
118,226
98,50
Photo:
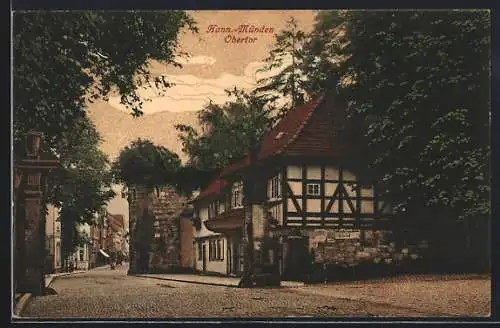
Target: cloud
196,60
191,93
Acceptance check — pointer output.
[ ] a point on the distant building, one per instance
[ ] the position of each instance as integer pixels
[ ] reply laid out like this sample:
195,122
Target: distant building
108,235
81,256
97,238
116,234
53,261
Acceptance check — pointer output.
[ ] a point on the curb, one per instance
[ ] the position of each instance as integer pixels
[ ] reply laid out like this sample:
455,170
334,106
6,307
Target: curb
23,300
284,284
186,281
54,277
20,305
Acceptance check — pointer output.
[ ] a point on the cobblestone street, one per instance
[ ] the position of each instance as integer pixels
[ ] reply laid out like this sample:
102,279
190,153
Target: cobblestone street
106,293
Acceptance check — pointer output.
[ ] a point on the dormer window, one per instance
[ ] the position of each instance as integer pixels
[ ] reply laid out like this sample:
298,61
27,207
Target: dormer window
213,209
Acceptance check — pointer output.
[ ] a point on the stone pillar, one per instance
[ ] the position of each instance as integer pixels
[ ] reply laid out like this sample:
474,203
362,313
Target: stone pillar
30,166
247,239
258,235
34,240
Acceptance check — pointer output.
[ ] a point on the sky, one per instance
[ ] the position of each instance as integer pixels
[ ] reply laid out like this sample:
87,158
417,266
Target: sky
216,62
222,55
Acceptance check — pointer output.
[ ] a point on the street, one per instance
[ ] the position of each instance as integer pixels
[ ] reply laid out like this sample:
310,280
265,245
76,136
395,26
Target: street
105,293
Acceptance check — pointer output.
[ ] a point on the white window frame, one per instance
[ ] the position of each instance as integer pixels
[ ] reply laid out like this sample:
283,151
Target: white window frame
237,195
313,192
213,209
275,189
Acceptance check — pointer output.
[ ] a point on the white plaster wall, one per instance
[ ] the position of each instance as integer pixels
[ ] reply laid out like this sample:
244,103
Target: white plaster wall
219,266
294,172
296,187
277,212
330,188
314,205
367,206
366,192
203,232
313,172
348,176
291,206
52,225
331,173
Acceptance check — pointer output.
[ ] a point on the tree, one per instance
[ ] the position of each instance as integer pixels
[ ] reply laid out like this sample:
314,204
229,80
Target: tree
228,130
422,78
64,60
82,185
288,82
322,51
147,164
305,61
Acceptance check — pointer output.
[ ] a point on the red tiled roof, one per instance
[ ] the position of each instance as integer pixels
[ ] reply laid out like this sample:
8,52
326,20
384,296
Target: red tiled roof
288,128
213,188
275,142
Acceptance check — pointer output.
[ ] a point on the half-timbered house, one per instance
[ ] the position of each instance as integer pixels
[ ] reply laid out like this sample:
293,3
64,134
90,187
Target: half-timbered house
310,198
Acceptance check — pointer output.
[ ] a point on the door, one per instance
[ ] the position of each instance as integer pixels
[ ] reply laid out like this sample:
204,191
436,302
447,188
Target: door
204,252
228,256
295,258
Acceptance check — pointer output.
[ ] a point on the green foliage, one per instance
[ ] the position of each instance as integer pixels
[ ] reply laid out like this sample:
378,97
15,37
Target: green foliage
322,51
423,79
190,178
289,81
82,185
229,131
144,163
63,60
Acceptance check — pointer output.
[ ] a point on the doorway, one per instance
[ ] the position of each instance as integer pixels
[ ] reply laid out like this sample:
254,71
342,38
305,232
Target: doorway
295,258
204,257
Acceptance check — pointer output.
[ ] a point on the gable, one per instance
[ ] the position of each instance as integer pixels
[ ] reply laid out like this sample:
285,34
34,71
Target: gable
318,137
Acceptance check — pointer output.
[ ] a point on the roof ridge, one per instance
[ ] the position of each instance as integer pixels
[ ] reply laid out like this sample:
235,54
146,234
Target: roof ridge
303,124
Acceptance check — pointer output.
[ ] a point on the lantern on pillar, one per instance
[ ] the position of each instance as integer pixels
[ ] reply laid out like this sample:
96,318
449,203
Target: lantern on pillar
33,143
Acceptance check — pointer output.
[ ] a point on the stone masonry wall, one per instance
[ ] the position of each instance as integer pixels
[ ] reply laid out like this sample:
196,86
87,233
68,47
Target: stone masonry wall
352,247
139,200
165,205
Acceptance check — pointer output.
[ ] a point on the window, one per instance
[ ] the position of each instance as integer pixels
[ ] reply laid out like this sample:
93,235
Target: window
200,251
275,187
58,246
81,254
215,250
211,250
213,209
237,200
313,189
34,179
220,253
